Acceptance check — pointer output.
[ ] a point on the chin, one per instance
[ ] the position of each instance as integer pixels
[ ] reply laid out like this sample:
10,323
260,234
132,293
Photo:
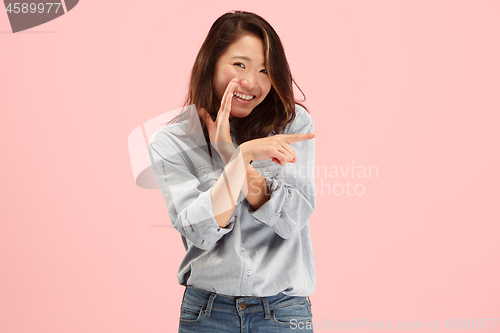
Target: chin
240,114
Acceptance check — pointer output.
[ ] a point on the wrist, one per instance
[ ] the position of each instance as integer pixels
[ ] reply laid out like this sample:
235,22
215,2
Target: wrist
247,158
227,155
225,150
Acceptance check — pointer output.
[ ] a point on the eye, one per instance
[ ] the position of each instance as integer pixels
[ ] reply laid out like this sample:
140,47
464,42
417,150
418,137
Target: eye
264,71
239,64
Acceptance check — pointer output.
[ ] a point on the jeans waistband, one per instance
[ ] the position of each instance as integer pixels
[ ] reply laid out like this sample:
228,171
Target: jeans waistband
240,304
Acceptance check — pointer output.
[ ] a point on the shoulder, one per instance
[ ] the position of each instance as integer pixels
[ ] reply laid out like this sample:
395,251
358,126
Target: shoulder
301,112
302,122
176,131
171,140
168,133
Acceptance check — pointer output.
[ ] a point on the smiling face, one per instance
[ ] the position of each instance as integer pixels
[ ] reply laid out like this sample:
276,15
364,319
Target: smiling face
243,60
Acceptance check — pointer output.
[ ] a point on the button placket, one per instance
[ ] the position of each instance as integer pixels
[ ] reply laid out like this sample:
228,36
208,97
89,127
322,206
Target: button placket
247,278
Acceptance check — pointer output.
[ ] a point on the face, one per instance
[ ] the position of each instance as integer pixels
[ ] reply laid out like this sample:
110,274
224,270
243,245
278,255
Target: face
243,60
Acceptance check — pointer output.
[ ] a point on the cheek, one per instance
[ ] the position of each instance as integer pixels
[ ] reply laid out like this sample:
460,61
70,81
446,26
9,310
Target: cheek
266,88
227,72
222,79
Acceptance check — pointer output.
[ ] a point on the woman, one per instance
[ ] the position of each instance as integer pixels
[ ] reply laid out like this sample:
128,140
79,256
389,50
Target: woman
236,190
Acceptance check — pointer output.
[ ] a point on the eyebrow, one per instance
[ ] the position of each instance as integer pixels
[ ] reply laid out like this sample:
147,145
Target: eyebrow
244,58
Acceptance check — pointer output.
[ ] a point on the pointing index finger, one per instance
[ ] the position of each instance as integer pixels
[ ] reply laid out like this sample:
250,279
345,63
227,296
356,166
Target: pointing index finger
291,138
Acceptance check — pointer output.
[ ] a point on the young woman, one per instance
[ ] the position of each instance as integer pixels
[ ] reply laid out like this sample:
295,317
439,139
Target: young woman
236,169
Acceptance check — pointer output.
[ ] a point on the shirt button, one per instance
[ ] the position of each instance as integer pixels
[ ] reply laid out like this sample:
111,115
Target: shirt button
242,306
241,247
205,175
266,173
249,273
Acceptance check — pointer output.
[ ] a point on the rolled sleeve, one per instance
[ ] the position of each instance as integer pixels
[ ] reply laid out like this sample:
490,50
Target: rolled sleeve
188,202
272,208
197,222
292,201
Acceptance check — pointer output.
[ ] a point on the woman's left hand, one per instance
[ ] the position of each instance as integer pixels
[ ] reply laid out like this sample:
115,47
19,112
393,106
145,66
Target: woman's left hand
218,130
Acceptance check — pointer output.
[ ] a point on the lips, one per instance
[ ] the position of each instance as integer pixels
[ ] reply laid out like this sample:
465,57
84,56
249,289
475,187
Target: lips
242,101
242,96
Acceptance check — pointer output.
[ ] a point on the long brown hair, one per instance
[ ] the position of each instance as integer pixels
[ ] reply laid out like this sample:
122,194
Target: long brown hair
278,107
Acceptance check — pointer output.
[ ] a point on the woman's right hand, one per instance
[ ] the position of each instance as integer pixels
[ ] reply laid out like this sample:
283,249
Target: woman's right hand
219,130
276,147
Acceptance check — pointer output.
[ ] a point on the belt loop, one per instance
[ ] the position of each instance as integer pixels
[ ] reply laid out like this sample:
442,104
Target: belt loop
209,304
267,314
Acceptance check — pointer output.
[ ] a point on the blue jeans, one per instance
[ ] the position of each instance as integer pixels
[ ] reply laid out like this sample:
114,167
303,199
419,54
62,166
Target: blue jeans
206,312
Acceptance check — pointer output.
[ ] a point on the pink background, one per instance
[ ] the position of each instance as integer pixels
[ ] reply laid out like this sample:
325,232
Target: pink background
411,88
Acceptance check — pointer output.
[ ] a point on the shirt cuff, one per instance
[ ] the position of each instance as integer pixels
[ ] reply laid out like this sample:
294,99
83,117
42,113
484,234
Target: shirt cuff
270,212
207,231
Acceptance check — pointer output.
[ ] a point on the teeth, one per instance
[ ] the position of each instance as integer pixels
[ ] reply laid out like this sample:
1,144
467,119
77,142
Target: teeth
242,96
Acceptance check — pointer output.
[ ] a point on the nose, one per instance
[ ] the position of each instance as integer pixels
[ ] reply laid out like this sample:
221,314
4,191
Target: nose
248,81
